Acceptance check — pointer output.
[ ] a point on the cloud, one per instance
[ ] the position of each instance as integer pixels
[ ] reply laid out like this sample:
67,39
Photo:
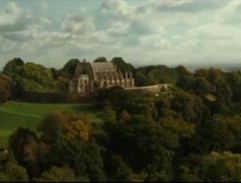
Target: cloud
151,32
13,18
187,6
77,23
154,41
116,8
119,28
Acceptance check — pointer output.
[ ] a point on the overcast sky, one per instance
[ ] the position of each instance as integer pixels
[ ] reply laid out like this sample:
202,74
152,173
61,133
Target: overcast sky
168,32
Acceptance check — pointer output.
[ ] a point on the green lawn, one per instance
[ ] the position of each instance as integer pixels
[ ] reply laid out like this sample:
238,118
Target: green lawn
15,114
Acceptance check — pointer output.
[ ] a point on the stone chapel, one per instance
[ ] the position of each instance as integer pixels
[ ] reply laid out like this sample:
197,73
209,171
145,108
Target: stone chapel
89,76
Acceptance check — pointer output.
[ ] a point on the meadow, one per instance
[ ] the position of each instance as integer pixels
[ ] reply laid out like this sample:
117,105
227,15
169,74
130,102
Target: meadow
15,114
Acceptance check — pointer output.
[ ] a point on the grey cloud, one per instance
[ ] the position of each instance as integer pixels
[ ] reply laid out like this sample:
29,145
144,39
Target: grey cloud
77,23
13,18
188,6
18,36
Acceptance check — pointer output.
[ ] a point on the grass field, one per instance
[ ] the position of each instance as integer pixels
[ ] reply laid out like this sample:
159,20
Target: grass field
15,114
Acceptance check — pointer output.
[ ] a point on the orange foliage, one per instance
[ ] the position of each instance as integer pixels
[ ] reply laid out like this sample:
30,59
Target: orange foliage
78,129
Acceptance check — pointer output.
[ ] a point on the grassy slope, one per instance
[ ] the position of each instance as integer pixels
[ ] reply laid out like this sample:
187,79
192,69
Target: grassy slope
20,114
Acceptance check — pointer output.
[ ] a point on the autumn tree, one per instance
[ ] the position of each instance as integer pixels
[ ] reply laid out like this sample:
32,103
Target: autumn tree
4,90
71,144
29,151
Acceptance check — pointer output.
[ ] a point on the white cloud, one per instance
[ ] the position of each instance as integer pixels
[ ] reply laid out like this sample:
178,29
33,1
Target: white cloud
188,6
138,33
116,8
13,18
154,41
78,23
119,28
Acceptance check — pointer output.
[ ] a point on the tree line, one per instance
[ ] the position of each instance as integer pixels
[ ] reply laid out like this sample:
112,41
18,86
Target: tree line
18,76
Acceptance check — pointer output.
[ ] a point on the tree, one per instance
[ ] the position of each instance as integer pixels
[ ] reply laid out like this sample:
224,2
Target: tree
122,65
202,86
4,91
29,151
108,115
34,77
119,169
219,136
71,143
202,73
58,124
182,70
85,158
213,167
140,79
10,68
178,126
234,80
151,75
100,59
190,106
58,174
11,171
69,68
144,144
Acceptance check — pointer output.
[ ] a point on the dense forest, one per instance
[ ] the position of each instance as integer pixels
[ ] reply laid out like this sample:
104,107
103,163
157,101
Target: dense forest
194,134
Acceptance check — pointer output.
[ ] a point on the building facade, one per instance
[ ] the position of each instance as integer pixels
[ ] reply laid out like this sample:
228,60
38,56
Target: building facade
91,76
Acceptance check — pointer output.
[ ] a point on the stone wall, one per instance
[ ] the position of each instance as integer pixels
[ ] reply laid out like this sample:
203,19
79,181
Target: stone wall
50,97
158,88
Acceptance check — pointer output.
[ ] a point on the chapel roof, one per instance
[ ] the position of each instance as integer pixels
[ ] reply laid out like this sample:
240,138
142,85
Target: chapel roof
101,66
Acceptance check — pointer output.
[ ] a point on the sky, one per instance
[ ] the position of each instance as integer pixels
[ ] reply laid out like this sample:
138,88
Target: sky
142,32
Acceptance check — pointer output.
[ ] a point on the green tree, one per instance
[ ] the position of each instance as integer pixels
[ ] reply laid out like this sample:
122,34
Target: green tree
69,68
213,167
234,80
144,144
71,144
202,86
178,126
108,115
202,73
11,171
57,174
34,77
151,75
219,136
122,65
100,59
183,71
10,68
190,106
